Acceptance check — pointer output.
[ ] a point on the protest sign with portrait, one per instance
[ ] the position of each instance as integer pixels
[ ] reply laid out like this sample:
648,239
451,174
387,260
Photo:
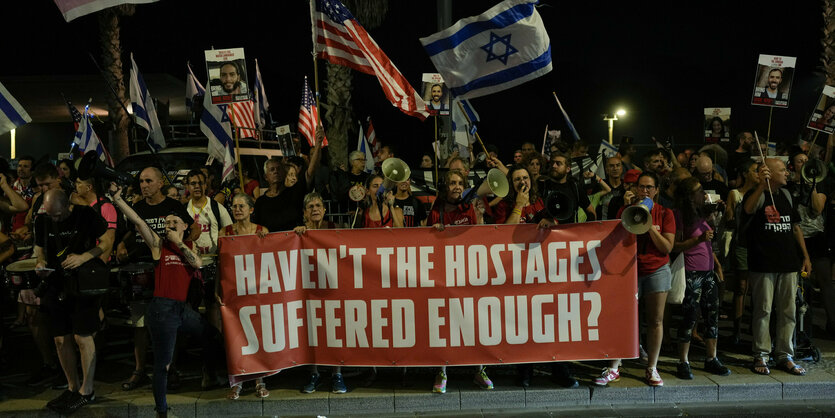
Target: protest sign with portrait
773,81
717,125
823,116
227,75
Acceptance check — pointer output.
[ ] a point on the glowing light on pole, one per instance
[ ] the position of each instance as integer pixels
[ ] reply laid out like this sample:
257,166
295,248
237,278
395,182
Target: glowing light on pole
611,120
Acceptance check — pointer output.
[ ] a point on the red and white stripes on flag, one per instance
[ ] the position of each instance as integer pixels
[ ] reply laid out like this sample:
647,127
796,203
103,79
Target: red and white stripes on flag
308,115
244,118
340,39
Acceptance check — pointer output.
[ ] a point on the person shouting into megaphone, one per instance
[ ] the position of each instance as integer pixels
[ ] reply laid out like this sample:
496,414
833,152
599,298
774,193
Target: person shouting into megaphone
654,276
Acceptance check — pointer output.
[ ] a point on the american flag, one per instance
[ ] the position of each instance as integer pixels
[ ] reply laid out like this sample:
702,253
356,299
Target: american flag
340,39
74,113
371,137
308,115
243,113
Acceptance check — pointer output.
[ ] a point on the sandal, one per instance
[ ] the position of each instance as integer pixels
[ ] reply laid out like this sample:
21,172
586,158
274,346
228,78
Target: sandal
137,379
760,366
261,390
234,393
790,367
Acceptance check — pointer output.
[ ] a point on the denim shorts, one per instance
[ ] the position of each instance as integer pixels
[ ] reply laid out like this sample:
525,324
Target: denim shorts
658,281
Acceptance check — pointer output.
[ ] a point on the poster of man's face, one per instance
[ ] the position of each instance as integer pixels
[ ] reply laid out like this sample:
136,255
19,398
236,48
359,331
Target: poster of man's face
435,94
227,75
773,81
717,126
823,116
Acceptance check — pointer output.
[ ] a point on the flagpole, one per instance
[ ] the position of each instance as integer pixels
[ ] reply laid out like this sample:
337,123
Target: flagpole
237,146
477,136
316,87
436,147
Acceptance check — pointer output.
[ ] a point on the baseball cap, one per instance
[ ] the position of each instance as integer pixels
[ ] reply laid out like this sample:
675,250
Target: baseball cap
631,176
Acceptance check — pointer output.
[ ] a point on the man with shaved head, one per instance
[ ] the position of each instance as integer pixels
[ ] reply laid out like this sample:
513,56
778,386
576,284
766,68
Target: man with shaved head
65,239
707,177
776,253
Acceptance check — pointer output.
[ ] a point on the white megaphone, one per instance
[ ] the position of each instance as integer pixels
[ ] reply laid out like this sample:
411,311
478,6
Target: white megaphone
495,183
394,171
637,218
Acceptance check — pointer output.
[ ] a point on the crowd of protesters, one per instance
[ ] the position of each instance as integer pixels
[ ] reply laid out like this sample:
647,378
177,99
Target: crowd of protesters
761,224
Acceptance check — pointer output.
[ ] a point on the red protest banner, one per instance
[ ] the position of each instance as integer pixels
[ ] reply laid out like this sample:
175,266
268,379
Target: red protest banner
470,295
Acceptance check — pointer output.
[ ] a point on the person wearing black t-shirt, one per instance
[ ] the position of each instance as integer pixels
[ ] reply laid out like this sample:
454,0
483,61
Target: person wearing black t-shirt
414,214
343,181
735,159
776,252
560,181
280,207
64,240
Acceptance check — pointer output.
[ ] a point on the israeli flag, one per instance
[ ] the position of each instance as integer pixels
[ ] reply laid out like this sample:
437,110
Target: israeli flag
143,108
499,49
87,140
12,114
215,125
464,123
193,87
262,105
362,145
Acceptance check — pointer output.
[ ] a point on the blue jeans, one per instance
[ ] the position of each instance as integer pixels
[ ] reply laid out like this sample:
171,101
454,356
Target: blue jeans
165,318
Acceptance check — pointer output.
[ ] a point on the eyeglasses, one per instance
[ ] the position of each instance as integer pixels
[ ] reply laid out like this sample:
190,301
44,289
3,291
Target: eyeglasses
646,187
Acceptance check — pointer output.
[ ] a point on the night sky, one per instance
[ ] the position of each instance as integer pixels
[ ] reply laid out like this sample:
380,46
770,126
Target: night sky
663,62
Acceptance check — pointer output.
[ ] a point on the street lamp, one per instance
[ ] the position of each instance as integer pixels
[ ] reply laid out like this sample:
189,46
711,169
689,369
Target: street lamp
611,120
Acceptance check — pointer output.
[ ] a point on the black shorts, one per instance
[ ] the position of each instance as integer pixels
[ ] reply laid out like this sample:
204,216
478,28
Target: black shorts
77,316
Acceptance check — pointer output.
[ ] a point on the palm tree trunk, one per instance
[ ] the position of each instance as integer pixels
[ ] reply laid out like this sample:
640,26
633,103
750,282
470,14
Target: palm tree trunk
111,63
339,110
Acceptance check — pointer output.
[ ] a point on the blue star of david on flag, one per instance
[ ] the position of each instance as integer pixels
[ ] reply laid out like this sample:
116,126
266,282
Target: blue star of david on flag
466,59
508,48
225,117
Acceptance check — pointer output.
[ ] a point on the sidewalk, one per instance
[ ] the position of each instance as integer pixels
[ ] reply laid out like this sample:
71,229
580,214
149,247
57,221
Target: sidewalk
386,395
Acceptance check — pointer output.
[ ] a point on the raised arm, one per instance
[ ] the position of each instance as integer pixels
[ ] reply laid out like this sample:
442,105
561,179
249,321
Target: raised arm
151,238
16,203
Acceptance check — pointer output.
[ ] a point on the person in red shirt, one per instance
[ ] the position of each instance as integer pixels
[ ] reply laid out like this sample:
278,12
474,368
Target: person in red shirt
378,211
448,208
654,276
168,313
523,203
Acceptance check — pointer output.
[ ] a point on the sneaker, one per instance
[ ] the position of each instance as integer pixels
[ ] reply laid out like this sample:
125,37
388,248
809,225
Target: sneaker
653,378
61,400
311,386
43,375
440,383
338,384
683,371
76,402
716,367
608,375
482,380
